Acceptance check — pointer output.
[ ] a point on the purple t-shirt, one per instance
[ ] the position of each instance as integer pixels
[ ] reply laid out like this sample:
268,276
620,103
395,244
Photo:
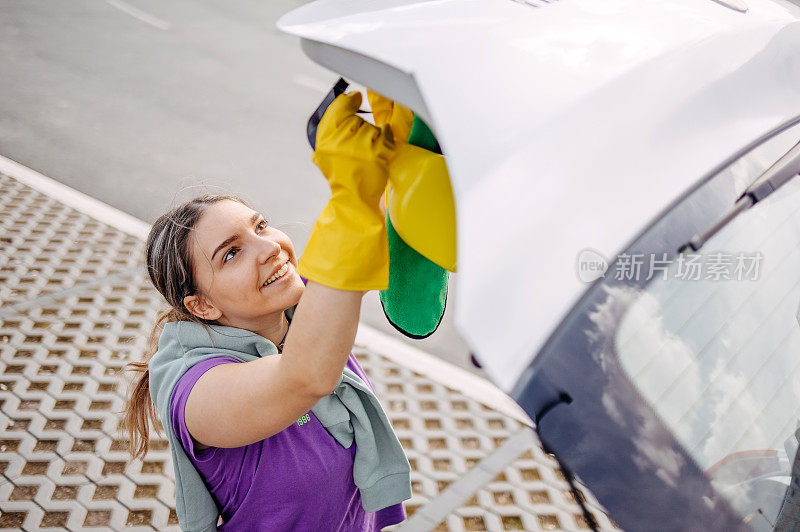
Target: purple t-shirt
298,479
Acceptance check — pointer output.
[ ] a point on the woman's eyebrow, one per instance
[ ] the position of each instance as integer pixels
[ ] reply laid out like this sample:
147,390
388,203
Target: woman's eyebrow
231,238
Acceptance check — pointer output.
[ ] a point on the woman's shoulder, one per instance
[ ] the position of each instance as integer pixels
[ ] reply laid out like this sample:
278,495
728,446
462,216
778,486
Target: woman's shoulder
192,374
180,395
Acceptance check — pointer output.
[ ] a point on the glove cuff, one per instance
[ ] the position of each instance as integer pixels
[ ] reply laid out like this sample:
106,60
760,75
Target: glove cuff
348,248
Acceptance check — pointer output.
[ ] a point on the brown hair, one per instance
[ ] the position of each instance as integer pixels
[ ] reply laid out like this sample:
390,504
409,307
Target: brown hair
169,265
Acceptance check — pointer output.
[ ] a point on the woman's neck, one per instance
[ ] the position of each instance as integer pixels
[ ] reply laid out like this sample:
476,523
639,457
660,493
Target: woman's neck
276,332
274,329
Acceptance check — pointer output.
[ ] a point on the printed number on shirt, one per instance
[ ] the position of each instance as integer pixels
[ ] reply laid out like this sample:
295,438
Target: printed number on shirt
303,420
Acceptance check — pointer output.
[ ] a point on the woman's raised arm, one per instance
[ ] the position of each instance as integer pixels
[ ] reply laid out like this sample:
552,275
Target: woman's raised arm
237,404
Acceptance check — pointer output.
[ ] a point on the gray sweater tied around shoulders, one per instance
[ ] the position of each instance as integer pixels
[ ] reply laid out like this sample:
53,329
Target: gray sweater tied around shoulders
351,414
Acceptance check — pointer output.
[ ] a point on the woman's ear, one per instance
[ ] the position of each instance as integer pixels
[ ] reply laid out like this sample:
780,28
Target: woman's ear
199,307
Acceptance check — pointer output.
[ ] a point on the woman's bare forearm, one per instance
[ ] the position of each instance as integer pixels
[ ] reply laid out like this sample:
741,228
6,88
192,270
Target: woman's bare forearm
321,336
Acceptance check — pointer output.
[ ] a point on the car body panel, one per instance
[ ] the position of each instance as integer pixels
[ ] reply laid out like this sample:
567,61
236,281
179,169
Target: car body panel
567,126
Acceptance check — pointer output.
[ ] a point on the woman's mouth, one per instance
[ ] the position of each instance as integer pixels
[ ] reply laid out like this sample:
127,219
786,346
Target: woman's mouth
280,274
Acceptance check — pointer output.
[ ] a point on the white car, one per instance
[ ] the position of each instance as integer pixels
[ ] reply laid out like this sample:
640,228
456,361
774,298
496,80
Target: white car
628,228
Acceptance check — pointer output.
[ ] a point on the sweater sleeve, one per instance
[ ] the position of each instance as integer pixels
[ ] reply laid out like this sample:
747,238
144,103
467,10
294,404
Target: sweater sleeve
178,406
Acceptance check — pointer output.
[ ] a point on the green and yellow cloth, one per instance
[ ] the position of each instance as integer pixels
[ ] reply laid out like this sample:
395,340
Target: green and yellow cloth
420,223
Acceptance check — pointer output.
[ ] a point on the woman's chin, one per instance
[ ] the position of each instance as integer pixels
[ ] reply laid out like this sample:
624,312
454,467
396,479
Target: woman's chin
288,292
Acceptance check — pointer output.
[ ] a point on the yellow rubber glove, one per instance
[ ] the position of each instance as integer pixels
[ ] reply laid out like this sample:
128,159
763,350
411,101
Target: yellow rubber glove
399,119
385,111
348,247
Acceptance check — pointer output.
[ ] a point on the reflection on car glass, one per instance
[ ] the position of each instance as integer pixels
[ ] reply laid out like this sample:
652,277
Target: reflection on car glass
775,177
789,513
797,314
719,360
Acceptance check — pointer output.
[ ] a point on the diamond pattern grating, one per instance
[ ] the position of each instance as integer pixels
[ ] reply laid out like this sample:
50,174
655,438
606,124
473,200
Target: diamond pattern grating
88,310
47,247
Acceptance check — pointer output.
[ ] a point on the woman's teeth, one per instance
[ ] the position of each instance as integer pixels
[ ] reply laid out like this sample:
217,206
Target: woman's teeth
280,273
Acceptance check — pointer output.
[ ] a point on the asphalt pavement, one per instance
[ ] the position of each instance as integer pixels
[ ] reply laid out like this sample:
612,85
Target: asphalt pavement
144,104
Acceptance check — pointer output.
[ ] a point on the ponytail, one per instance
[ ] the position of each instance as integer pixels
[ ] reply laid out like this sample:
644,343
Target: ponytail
140,411
169,266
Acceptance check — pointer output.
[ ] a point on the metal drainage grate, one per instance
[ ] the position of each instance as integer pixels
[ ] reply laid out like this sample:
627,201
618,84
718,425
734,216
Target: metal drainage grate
63,458
46,246
78,307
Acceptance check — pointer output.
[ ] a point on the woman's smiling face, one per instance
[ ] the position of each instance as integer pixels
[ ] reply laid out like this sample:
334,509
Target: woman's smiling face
235,253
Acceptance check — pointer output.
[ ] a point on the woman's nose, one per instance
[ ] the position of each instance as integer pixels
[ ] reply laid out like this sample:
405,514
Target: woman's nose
269,249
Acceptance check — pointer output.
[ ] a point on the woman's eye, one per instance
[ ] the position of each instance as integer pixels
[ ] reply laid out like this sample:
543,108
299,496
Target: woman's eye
262,225
229,255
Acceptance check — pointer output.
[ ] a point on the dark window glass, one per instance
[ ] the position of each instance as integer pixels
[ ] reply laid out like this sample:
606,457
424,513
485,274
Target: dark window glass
712,342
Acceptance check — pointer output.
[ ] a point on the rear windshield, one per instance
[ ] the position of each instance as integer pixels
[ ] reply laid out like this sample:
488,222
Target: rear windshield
713,344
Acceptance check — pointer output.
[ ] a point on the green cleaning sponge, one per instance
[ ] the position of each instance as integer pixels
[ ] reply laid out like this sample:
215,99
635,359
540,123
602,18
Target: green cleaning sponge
415,301
422,136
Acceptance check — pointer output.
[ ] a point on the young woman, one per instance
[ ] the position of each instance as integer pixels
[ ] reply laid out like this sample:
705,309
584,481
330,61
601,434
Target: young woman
271,427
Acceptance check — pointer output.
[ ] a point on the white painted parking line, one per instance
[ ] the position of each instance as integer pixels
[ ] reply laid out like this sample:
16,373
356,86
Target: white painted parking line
427,517
137,13
77,200
436,369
